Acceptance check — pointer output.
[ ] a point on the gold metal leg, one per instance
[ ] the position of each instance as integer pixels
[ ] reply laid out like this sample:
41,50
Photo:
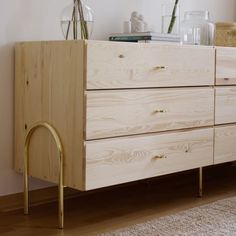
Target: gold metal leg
61,169
200,181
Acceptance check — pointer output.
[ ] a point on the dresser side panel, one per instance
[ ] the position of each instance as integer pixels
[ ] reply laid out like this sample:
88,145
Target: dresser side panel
19,126
55,94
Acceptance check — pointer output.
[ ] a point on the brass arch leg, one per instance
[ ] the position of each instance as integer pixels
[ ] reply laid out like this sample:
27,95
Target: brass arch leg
200,182
61,169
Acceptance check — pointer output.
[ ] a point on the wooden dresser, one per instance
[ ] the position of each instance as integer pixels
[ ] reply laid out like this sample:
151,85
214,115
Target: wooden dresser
123,111
225,106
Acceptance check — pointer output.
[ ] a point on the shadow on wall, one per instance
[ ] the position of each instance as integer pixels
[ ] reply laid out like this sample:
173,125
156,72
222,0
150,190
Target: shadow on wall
6,112
10,181
15,26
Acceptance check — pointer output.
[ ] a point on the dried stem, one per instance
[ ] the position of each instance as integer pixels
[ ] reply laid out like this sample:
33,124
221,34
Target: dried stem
74,20
83,23
69,24
173,17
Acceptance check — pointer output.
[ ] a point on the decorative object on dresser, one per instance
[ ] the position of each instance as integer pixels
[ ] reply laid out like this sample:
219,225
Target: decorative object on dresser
137,23
196,28
225,34
145,36
170,18
135,111
77,21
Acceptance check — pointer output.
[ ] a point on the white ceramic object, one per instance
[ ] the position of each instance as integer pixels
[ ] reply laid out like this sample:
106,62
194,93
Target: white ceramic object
137,23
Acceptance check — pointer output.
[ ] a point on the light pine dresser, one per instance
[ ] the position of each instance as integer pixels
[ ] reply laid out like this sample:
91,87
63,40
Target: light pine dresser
121,112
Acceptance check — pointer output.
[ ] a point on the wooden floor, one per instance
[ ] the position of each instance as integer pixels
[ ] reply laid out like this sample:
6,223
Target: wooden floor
109,209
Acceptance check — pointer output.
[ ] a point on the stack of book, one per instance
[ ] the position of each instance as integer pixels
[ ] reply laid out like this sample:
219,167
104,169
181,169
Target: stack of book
145,36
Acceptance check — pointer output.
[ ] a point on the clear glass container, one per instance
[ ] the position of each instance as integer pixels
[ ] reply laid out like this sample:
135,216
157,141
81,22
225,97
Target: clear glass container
170,19
196,29
77,21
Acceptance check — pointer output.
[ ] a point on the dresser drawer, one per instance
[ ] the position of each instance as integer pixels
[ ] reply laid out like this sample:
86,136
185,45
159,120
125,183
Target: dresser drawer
120,160
125,65
225,105
226,66
225,144
127,112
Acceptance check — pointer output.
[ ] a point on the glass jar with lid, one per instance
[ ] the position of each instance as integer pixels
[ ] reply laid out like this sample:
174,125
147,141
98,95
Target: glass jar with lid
196,29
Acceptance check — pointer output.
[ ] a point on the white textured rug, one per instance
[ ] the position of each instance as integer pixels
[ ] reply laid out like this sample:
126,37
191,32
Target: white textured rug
215,219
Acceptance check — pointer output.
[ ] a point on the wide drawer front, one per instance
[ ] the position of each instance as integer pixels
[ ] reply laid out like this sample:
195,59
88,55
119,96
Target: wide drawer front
124,65
120,160
225,144
225,105
127,112
225,66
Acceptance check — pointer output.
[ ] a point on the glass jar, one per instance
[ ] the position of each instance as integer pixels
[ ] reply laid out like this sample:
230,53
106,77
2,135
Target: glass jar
196,29
170,19
77,21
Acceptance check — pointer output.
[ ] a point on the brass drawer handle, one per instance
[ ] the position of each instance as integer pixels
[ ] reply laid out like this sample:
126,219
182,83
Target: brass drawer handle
161,157
187,149
159,68
159,111
121,56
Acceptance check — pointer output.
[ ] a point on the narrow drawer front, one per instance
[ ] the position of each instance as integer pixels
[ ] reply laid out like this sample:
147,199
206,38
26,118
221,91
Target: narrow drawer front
127,112
225,144
124,65
225,105
226,66
120,160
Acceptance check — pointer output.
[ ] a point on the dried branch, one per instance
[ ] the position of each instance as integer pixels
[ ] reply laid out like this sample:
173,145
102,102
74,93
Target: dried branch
74,21
173,17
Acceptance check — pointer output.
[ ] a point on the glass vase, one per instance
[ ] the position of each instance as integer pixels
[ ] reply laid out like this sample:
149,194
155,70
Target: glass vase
77,21
196,29
170,19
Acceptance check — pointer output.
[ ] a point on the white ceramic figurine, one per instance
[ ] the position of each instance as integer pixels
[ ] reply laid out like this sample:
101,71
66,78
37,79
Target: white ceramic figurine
137,23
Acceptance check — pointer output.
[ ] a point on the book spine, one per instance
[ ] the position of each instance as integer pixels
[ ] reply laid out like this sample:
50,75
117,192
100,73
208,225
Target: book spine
129,38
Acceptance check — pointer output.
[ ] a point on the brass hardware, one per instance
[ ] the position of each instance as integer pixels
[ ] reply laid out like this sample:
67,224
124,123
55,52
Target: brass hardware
161,157
200,193
187,148
121,56
159,111
160,68
61,169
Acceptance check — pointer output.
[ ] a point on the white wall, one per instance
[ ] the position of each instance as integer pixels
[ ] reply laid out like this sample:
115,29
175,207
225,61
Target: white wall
39,20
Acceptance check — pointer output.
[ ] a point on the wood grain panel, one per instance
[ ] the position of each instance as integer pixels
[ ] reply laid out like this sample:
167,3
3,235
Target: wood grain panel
225,144
225,105
52,74
117,113
126,65
19,121
120,160
225,66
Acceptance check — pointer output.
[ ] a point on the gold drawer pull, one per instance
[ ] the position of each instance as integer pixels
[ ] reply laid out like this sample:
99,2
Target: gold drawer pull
187,148
159,111
159,68
161,157
121,56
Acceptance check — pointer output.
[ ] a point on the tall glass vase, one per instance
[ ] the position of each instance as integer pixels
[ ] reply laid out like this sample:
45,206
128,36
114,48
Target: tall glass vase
170,19
77,21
